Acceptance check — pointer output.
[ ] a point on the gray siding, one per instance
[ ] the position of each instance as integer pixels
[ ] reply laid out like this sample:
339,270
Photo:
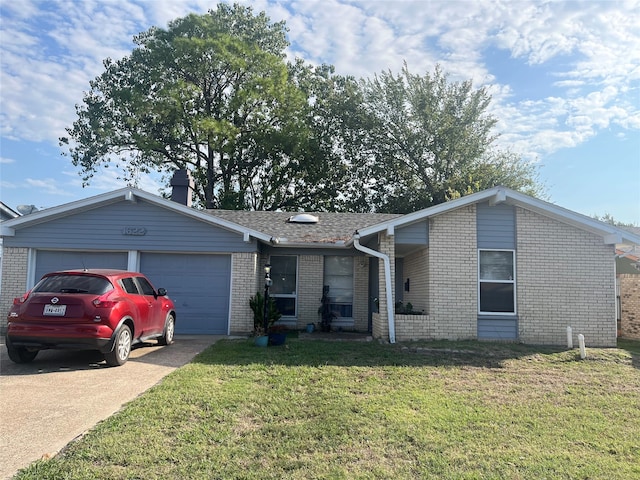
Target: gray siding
497,328
496,226
110,227
414,234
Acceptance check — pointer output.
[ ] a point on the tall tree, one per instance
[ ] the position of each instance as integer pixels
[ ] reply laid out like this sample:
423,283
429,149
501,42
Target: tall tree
212,93
431,141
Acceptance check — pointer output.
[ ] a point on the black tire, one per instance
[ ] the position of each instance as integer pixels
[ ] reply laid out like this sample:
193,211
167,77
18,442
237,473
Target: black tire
121,348
20,354
169,331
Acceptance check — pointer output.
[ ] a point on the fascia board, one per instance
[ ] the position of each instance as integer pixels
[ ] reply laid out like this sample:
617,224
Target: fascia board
51,213
124,194
429,212
610,233
497,195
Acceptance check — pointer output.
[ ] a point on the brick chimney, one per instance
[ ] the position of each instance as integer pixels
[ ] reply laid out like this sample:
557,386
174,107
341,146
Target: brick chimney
182,187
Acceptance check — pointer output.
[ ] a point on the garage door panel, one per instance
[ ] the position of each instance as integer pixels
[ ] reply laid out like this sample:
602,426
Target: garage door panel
199,285
52,260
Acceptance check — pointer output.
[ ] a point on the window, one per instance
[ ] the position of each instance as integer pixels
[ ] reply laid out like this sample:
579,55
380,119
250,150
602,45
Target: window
284,273
496,282
145,286
64,283
338,276
129,286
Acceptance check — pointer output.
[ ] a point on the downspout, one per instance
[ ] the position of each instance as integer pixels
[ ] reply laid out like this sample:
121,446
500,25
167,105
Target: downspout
387,281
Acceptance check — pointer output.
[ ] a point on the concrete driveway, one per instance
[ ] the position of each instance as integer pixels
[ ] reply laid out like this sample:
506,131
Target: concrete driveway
61,394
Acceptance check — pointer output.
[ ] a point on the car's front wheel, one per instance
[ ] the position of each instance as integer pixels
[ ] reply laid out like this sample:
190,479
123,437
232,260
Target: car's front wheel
121,348
169,331
20,354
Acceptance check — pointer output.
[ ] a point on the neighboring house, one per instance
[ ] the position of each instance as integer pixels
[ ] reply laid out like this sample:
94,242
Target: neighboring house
491,265
6,213
628,285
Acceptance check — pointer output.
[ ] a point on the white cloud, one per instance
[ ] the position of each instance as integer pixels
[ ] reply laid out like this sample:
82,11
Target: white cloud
52,49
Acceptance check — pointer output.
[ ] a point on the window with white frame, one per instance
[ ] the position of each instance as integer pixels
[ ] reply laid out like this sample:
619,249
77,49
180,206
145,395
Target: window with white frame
497,282
284,274
338,276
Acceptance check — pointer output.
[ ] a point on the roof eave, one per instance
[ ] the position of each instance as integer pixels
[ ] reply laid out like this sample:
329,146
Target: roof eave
128,194
496,195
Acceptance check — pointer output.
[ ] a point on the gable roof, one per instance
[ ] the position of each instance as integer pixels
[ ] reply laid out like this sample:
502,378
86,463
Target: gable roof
497,195
129,194
332,229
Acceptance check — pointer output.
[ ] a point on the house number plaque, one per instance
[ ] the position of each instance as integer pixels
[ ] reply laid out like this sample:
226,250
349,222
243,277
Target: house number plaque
136,231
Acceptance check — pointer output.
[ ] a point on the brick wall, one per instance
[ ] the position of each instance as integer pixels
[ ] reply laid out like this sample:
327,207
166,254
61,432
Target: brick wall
310,279
14,278
416,269
244,284
629,305
380,326
453,278
413,327
361,294
565,277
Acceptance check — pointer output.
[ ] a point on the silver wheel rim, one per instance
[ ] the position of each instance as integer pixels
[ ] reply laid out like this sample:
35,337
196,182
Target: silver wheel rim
124,344
170,328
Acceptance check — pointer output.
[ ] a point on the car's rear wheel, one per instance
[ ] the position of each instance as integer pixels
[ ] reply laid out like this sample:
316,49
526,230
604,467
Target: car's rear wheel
20,354
121,348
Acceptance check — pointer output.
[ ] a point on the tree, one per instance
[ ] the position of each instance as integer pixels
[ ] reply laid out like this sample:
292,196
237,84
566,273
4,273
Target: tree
608,218
432,141
213,94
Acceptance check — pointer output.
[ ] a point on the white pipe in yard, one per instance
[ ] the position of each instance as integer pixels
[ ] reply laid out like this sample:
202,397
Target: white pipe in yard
387,279
569,337
583,350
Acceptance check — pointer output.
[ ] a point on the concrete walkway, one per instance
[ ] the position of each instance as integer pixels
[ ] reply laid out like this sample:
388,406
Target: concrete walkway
47,403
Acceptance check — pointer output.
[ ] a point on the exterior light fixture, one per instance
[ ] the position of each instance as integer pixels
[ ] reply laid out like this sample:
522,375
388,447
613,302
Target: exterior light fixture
267,283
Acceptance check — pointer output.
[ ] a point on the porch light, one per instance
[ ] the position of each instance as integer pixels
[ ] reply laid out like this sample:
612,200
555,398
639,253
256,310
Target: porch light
267,283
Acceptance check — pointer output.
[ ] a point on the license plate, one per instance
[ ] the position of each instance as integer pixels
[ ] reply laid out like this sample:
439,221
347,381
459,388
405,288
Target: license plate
55,310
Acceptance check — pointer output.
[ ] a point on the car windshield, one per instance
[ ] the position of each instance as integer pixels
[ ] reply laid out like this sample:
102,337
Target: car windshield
74,284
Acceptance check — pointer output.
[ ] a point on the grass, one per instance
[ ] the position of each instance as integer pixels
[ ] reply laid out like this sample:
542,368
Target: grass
343,410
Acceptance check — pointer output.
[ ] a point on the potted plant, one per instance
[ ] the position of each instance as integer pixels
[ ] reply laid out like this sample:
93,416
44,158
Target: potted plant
326,314
257,304
277,335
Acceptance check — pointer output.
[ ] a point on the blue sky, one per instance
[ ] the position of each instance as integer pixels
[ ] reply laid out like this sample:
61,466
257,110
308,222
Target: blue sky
564,76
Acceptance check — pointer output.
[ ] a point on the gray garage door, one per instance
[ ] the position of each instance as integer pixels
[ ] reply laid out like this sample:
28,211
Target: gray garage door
51,260
198,284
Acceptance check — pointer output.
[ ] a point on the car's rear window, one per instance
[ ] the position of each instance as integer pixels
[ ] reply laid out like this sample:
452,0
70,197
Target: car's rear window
74,284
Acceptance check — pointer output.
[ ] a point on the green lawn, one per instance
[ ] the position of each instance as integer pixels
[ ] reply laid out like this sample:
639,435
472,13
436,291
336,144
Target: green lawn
344,410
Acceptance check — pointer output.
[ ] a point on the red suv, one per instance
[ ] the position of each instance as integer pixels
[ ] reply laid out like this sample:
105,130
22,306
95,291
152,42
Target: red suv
105,310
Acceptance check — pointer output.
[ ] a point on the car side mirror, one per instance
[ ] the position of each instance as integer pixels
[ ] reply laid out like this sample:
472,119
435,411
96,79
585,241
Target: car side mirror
162,292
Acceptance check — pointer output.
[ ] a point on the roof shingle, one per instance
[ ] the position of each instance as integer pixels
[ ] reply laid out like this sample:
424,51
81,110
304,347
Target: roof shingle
331,227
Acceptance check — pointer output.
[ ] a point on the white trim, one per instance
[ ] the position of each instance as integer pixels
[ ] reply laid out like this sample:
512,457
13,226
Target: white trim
498,198
513,282
387,282
133,261
511,197
288,295
342,321
41,216
31,268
